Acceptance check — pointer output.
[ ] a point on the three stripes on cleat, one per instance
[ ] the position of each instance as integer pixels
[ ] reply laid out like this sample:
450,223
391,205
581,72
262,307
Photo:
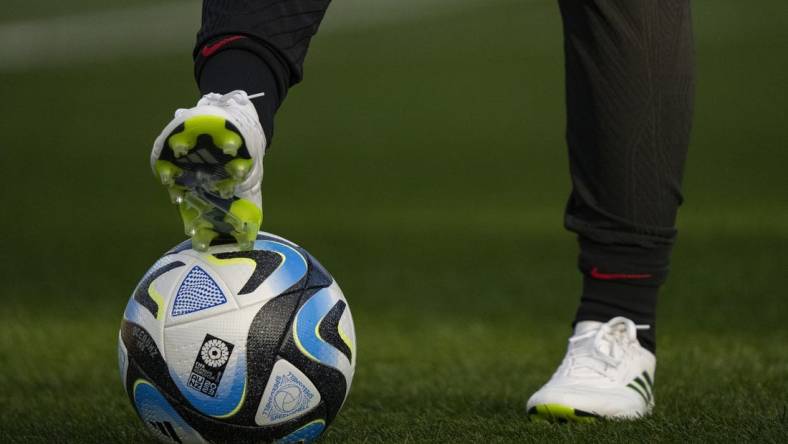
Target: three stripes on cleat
644,386
202,181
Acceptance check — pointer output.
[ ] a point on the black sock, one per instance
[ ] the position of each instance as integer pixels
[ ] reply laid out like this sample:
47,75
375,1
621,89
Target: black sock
621,280
603,300
233,69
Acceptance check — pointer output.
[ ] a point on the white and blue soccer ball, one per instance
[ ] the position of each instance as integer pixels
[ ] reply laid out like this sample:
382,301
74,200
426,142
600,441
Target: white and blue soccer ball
237,346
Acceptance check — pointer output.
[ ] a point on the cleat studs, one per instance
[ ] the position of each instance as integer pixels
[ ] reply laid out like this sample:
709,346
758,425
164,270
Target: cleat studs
202,239
179,146
225,188
176,194
245,245
238,168
230,147
245,235
167,172
190,217
245,218
181,143
228,141
180,150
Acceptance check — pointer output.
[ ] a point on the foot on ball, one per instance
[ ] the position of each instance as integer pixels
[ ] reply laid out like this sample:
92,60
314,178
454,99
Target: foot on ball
210,158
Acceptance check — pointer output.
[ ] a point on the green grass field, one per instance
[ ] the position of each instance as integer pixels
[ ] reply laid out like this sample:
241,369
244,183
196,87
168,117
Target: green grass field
437,205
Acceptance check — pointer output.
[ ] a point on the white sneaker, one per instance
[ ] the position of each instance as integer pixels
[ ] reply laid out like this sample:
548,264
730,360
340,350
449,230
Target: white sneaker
210,158
605,373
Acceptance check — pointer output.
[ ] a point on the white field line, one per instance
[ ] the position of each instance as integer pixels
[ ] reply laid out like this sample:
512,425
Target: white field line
170,27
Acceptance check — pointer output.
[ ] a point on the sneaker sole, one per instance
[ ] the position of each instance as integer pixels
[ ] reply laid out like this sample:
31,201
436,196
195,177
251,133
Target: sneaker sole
203,160
557,413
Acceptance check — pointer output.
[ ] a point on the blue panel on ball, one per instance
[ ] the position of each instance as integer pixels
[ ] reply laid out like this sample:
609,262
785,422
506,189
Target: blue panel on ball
229,395
292,269
198,291
159,416
306,434
305,329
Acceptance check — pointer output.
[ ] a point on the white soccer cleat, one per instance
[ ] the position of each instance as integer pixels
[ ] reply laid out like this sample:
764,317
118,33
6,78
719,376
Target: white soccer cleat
605,373
210,158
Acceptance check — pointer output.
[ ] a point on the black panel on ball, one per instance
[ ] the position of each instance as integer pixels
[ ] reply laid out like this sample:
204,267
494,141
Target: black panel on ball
329,329
266,334
329,381
265,264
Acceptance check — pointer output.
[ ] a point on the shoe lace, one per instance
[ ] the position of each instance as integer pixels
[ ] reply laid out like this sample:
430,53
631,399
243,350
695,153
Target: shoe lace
236,97
598,352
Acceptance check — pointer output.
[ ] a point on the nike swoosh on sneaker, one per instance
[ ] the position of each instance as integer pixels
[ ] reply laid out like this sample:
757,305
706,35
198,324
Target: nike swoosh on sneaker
209,50
596,274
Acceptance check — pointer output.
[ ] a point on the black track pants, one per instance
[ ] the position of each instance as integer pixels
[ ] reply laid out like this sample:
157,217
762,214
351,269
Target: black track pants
629,97
257,46
629,91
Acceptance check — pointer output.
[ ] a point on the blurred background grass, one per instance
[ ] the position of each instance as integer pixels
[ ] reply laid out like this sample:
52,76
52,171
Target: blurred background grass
430,179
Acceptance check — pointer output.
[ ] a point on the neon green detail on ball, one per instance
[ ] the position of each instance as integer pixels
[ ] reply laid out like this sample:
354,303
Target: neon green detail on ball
237,407
137,383
231,261
346,339
158,299
298,342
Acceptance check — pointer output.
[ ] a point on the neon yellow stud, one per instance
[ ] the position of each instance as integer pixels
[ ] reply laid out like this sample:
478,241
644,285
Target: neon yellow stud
202,238
225,188
238,168
230,145
176,193
167,172
246,218
245,237
179,149
190,216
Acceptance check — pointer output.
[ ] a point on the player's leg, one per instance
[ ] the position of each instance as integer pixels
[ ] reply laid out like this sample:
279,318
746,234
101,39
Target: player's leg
210,157
629,89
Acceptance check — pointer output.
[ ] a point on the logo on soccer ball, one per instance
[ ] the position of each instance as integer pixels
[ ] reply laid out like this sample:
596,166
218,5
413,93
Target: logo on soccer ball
215,353
289,396
209,366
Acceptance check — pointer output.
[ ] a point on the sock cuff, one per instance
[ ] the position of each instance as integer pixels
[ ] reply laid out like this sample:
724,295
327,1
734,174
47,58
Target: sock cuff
603,300
624,264
208,48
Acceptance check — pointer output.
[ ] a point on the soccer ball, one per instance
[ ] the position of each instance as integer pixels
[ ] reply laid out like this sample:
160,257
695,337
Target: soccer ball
237,346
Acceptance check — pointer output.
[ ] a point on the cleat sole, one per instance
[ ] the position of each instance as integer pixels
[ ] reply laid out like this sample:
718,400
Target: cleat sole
206,160
557,413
